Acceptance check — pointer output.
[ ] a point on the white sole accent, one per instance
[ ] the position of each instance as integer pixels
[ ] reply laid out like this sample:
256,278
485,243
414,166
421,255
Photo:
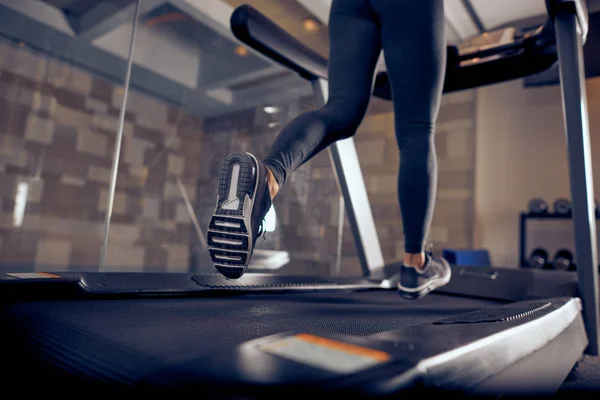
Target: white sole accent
431,284
232,258
227,241
419,288
233,202
227,224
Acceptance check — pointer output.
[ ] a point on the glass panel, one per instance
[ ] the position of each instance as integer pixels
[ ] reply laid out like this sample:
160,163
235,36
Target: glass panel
61,63
197,95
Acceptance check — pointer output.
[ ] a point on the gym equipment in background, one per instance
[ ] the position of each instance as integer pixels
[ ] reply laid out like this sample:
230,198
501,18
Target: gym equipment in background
470,257
538,258
562,260
538,206
562,206
561,209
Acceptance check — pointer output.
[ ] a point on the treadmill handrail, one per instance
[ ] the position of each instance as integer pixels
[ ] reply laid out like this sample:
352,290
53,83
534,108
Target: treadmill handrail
543,36
532,53
257,31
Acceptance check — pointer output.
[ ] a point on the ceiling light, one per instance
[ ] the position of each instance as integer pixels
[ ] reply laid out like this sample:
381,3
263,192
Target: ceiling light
310,25
273,124
270,109
241,51
166,18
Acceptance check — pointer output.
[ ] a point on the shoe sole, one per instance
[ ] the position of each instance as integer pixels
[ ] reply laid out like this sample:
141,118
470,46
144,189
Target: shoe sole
229,234
434,284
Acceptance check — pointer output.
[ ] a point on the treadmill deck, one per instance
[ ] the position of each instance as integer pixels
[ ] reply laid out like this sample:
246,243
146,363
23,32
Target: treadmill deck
129,342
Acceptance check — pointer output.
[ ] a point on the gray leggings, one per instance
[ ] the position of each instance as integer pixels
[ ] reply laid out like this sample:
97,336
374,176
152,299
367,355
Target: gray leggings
412,36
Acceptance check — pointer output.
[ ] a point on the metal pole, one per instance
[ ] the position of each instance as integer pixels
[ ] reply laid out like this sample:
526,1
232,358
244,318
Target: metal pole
117,152
572,79
340,237
356,200
190,209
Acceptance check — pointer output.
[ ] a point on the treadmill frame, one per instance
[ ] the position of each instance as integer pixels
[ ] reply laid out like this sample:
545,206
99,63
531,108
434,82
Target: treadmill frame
570,20
349,177
570,27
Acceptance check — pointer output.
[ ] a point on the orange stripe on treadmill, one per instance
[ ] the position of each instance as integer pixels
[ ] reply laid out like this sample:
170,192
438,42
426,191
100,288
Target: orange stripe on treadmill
344,347
48,275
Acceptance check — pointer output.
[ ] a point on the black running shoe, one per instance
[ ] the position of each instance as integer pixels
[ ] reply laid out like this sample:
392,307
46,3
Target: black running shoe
415,284
242,204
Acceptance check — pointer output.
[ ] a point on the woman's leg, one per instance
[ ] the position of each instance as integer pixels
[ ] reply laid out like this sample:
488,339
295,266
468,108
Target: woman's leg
355,45
247,185
414,46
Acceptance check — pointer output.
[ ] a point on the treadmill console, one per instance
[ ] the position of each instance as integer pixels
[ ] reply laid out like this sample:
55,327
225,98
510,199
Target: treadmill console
487,41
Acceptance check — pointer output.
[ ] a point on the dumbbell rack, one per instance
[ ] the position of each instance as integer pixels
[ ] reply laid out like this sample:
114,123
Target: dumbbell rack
526,216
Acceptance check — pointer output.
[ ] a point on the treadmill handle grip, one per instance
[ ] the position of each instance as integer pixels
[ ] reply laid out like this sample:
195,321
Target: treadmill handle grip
259,32
491,275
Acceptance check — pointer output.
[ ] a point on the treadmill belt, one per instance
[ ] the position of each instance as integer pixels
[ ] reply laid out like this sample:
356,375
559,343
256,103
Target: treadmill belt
123,340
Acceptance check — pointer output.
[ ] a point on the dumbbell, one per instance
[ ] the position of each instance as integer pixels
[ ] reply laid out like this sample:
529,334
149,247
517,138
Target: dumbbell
563,260
538,206
562,206
573,267
538,258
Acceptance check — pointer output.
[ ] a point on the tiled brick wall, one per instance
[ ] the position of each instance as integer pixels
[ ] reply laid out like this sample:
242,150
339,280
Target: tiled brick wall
57,133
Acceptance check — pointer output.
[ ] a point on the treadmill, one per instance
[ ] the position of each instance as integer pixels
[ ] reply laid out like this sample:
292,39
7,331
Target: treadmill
490,331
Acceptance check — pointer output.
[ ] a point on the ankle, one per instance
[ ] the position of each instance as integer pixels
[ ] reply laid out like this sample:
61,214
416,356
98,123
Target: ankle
273,185
416,260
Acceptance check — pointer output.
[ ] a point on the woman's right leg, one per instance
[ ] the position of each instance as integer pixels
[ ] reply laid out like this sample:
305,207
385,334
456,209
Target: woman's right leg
414,45
247,185
355,45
